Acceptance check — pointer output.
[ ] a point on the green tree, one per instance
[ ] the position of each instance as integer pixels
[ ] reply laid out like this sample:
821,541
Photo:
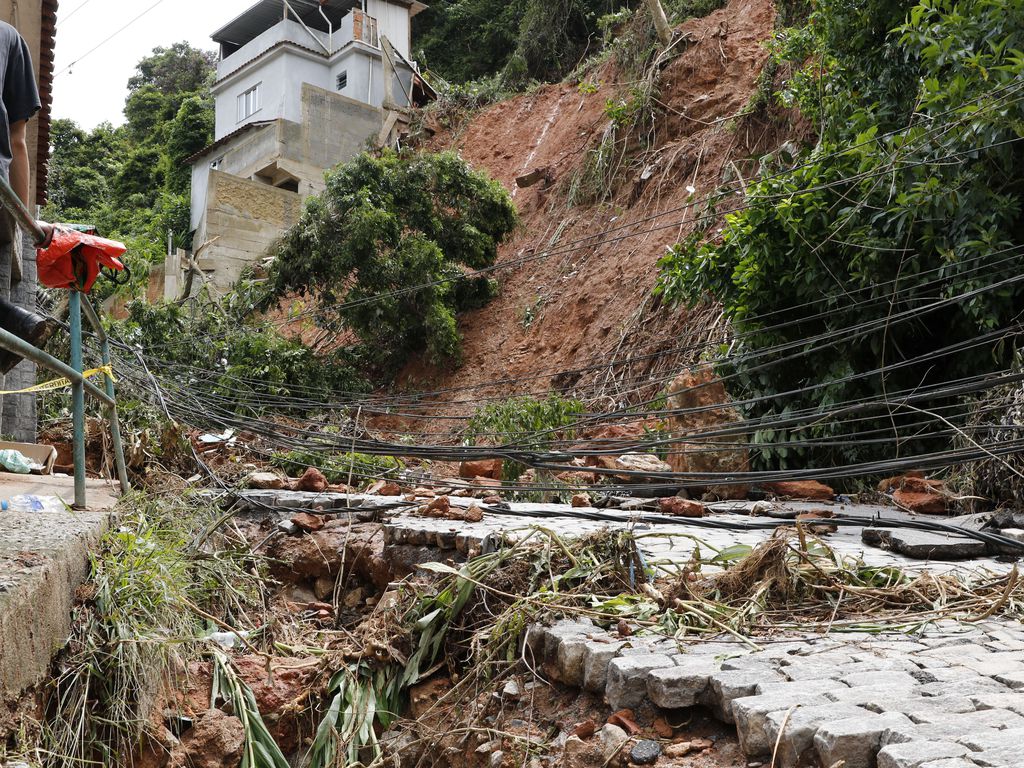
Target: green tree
190,131
887,246
386,247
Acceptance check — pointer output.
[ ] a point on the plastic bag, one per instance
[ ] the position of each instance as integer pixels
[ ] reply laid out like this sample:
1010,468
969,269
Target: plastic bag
73,259
17,462
31,503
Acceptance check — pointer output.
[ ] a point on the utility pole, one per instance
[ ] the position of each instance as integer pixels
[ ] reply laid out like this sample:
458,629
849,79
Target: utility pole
660,21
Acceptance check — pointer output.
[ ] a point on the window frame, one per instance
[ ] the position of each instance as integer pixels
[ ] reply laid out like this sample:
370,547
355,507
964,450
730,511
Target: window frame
250,97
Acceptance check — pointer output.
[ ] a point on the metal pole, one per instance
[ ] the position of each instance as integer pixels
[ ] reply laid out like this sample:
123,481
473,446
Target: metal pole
115,424
21,347
78,398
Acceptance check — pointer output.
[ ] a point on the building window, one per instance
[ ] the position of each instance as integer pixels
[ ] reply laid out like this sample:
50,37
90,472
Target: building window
342,81
215,165
249,103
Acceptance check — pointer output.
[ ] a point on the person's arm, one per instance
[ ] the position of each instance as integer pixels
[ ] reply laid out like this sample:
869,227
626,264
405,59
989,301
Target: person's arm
20,168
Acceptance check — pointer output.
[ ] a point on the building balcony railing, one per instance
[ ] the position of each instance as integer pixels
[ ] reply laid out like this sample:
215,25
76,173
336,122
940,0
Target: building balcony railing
356,26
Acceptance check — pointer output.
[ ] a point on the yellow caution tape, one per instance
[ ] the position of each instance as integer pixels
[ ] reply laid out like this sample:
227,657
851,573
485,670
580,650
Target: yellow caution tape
53,386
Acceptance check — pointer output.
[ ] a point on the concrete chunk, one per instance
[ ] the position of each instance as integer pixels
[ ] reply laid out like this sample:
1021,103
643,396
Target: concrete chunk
854,741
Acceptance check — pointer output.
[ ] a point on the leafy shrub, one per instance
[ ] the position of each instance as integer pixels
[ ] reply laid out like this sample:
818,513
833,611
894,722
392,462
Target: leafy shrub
524,423
337,467
386,248
914,192
221,352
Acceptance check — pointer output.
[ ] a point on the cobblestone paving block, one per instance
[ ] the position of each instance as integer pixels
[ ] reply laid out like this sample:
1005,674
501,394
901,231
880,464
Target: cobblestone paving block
922,708
1013,679
967,687
1014,702
995,739
680,686
854,742
626,686
949,762
798,728
914,754
729,685
806,687
596,657
751,716
569,660
891,679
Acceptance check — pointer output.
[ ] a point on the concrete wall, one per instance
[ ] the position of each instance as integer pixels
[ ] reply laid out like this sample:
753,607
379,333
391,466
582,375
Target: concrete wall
285,31
246,217
394,22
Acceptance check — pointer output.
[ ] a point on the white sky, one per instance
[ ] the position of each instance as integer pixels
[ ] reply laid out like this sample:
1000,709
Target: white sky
94,88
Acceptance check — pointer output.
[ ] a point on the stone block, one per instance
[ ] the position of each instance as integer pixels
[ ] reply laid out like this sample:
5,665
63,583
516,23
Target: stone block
1014,702
680,686
892,680
729,685
569,660
596,657
626,686
921,708
794,730
914,754
751,717
854,742
1010,738
800,687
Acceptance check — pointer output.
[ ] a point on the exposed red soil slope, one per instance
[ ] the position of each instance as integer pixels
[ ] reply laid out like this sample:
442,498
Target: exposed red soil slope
592,301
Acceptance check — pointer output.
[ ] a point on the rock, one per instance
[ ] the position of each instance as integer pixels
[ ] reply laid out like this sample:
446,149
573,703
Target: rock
390,489
678,507
439,507
679,749
307,522
585,730
492,500
496,759
645,752
510,691
699,403
312,481
265,481
483,468
474,514
215,740
663,729
808,490
581,500
323,587
486,482
535,176
928,503
911,481
645,463
613,739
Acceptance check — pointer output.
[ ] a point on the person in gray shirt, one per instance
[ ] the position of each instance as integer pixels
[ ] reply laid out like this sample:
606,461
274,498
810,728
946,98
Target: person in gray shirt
19,102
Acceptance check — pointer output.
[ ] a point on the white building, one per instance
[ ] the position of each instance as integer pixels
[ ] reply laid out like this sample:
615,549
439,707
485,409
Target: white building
300,87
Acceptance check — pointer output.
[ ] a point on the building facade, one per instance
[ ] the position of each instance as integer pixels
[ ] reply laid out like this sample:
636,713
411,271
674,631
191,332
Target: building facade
301,86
